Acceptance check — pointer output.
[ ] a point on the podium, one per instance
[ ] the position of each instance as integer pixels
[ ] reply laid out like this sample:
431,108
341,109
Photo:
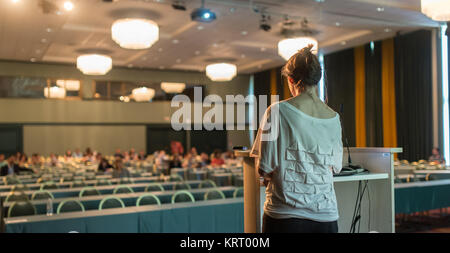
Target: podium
377,206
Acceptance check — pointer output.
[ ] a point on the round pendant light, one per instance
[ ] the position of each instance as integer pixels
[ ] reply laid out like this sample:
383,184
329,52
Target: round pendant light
94,64
288,47
221,72
54,92
70,85
143,94
173,87
135,33
438,10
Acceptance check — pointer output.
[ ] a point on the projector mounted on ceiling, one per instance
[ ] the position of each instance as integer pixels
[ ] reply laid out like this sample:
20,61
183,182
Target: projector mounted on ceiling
203,14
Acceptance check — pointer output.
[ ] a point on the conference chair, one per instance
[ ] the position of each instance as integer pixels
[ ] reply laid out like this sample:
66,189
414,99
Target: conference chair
238,193
154,187
11,180
41,194
207,184
16,196
121,189
20,187
181,186
66,179
101,182
182,196
21,208
126,180
90,176
148,199
77,183
214,194
49,186
70,206
88,191
44,179
175,178
111,202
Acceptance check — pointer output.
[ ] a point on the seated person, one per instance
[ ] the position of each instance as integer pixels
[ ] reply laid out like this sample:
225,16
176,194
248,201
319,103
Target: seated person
104,165
36,161
77,153
204,160
11,168
176,161
2,160
217,159
436,156
118,153
142,156
119,171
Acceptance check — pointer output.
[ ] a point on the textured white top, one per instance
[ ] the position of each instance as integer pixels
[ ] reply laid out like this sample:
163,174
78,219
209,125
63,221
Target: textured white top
301,157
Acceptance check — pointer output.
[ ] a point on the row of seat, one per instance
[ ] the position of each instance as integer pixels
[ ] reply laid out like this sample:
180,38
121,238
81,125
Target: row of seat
25,207
43,193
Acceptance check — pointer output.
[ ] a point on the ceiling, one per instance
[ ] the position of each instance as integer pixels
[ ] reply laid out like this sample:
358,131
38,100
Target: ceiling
29,34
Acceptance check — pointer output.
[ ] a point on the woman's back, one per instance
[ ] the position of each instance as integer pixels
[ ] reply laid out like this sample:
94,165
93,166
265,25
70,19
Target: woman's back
301,160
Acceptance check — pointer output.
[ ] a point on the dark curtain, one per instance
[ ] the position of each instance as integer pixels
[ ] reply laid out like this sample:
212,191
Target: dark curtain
374,110
340,86
262,83
413,94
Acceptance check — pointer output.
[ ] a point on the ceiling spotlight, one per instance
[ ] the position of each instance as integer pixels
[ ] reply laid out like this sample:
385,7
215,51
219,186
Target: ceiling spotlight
179,5
68,5
15,1
380,9
264,23
202,14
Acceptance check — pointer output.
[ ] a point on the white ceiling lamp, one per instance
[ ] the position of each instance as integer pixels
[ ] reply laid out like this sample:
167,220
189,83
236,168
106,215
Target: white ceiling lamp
135,33
438,10
297,36
94,64
54,92
221,72
143,94
70,85
173,87
288,47
68,5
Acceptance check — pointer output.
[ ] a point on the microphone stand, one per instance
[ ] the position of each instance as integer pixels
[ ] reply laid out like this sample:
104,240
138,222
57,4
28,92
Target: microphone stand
350,169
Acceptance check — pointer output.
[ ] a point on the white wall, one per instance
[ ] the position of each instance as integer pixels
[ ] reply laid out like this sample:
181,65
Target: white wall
105,139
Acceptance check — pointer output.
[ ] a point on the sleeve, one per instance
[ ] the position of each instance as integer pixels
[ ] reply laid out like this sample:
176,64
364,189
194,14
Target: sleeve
265,149
338,152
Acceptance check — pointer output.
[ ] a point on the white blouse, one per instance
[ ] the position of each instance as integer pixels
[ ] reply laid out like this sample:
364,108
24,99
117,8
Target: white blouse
301,154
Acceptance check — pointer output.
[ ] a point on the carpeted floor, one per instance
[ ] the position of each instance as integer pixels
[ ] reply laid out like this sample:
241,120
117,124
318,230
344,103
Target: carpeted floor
433,221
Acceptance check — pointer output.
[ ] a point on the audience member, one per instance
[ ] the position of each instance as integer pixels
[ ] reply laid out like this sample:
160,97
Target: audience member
176,147
11,168
142,156
77,153
436,156
118,153
217,159
3,162
104,165
119,171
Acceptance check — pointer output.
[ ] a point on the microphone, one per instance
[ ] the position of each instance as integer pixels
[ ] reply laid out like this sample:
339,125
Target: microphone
345,135
350,169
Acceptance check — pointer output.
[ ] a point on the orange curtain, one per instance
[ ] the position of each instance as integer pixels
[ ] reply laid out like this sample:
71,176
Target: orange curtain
360,97
388,93
273,82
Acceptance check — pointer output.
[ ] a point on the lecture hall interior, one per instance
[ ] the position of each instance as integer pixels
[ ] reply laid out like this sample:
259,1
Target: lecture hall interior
143,116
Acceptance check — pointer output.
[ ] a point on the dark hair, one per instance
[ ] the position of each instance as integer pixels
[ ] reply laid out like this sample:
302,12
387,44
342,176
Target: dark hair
303,67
